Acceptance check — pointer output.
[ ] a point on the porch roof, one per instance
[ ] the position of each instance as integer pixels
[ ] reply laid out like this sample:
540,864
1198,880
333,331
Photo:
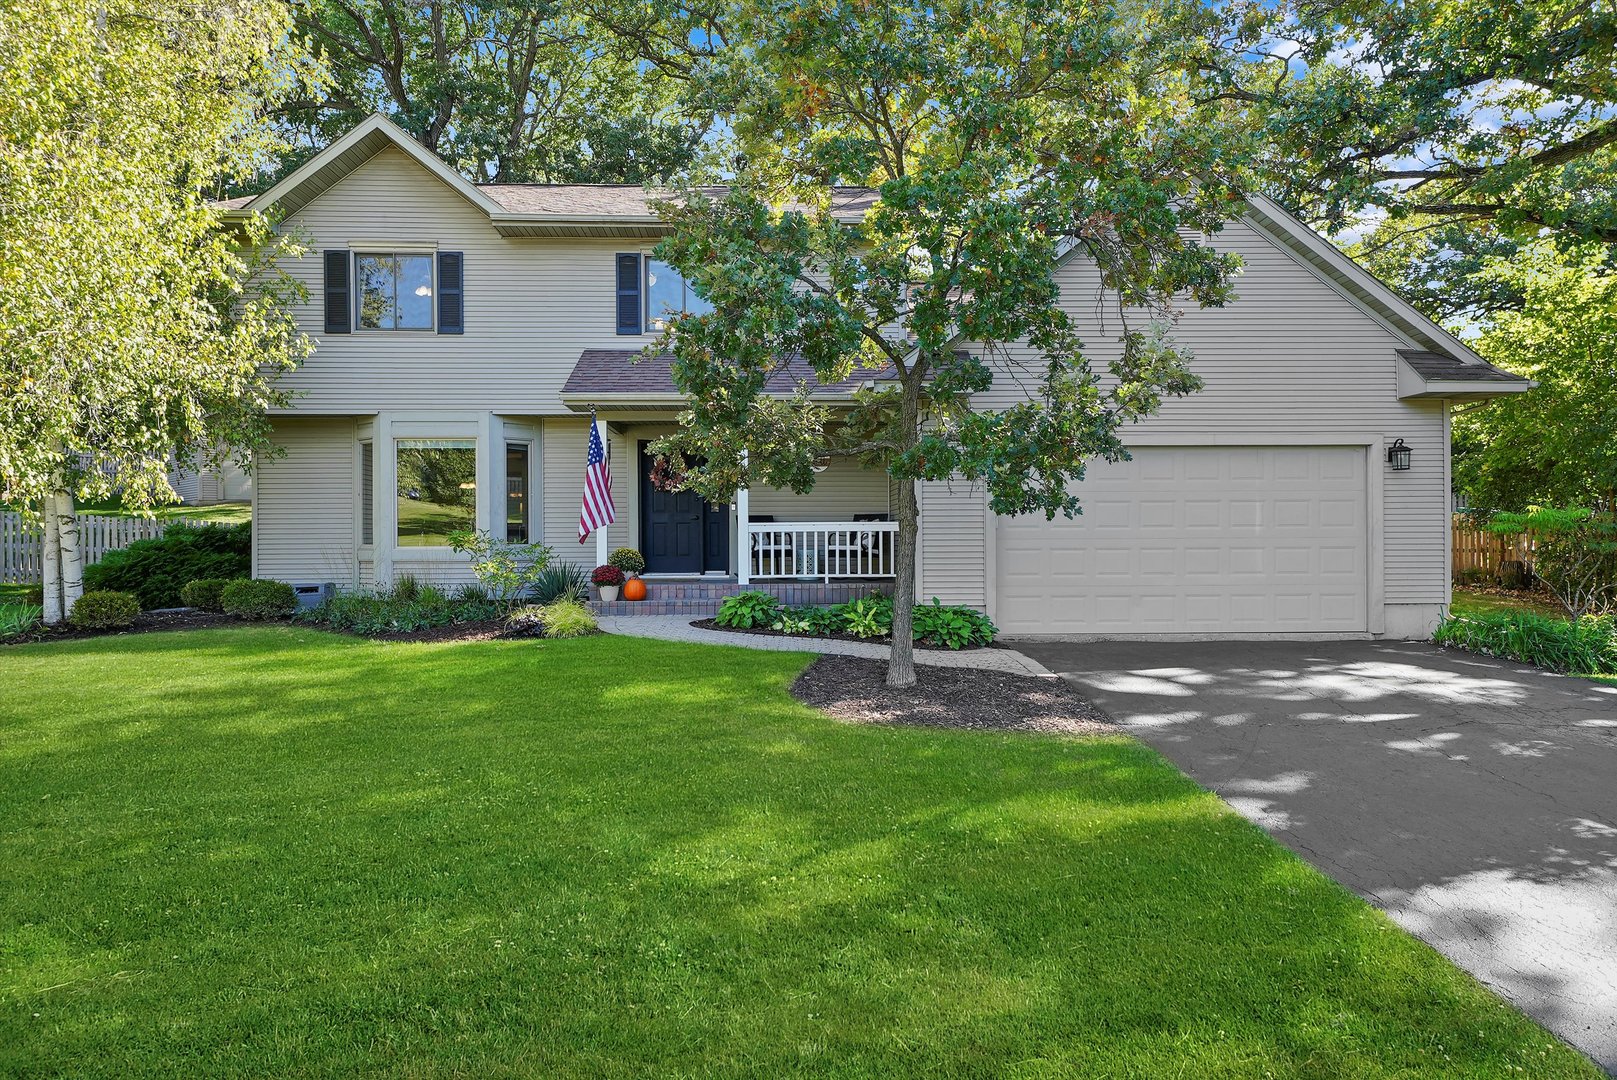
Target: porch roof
626,377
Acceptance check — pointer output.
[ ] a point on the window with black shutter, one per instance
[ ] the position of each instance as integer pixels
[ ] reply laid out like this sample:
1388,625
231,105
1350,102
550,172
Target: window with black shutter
451,292
338,305
628,293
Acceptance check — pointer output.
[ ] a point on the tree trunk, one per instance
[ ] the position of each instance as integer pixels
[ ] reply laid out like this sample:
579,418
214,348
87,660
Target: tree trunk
51,570
72,562
901,662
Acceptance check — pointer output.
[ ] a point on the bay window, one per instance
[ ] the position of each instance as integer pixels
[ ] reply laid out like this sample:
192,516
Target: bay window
437,490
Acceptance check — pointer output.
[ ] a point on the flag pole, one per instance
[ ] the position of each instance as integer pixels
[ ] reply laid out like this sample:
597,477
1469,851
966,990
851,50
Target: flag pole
601,552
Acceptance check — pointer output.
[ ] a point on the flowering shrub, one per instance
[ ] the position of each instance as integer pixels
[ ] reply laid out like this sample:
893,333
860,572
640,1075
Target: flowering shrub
607,575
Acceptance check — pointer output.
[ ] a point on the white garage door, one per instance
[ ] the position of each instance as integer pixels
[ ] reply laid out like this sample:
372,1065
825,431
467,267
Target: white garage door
1185,540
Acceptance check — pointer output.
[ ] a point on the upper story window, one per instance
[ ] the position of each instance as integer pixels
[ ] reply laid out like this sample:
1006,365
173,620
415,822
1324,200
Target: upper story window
667,294
393,291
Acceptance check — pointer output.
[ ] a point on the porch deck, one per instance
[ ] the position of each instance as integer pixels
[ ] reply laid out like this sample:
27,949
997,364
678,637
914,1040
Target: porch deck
699,597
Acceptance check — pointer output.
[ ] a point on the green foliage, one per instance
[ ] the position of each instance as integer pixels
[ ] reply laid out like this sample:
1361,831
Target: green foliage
807,620
1574,553
953,627
372,613
19,619
567,619
1584,646
1557,443
258,599
133,327
204,594
627,559
1498,117
560,580
105,609
990,141
511,93
156,570
405,588
866,617
748,610
506,570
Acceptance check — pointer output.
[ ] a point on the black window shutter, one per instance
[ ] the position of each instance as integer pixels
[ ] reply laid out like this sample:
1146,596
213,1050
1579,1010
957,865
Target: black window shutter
337,303
451,292
628,294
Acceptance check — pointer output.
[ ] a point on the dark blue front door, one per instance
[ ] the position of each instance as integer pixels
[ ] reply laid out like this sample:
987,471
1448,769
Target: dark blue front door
680,533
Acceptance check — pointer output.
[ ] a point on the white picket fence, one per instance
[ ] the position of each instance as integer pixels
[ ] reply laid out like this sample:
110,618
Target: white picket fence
22,547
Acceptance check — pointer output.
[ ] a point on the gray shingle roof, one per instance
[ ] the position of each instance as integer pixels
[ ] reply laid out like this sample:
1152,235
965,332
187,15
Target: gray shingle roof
629,200
1439,368
615,371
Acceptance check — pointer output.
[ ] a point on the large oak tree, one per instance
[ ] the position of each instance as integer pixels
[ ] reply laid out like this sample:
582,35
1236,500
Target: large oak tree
997,139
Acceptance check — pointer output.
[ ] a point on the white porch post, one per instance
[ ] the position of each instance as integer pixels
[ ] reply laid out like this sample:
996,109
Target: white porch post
601,552
743,538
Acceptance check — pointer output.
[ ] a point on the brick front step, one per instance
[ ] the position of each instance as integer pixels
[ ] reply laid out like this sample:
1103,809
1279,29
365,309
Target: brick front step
701,599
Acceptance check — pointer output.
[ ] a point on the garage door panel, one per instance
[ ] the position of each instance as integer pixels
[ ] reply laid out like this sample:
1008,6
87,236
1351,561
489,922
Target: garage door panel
1197,540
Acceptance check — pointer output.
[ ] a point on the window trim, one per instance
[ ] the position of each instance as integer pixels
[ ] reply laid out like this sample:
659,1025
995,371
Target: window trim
355,253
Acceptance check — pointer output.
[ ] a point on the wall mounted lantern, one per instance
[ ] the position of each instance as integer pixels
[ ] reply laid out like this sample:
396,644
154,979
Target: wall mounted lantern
1398,456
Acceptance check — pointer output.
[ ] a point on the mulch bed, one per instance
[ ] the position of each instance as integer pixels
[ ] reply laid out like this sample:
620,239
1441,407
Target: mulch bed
146,622
764,631
852,689
480,630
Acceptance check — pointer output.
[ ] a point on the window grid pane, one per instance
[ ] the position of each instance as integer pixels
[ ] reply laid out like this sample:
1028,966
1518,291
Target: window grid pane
395,292
437,490
367,493
516,493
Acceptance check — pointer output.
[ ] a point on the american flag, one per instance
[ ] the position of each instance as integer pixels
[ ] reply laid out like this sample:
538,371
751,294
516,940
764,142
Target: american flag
598,511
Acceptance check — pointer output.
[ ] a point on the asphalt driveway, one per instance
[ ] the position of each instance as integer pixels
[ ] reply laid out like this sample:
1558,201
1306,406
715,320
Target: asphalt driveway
1474,801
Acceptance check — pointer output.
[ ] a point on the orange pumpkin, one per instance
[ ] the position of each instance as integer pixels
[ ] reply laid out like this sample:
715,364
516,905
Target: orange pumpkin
634,589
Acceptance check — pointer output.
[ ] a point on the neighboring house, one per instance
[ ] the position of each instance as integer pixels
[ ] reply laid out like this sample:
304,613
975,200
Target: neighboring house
466,331
199,484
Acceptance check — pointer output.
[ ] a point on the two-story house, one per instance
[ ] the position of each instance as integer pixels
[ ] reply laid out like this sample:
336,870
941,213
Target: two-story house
467,331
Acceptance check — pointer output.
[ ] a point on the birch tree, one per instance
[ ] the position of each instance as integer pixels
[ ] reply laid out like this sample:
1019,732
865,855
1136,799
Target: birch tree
133,326
995,139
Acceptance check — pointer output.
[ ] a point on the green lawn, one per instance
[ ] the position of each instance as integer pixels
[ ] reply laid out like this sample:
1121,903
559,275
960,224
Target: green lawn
230,513
279,852
1470,602
14,593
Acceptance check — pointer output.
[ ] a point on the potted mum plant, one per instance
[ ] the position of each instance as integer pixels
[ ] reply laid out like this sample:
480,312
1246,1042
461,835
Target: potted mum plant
607,578
631,562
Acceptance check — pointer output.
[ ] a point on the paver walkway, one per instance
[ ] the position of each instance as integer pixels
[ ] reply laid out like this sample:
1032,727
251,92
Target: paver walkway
679,628
1475,801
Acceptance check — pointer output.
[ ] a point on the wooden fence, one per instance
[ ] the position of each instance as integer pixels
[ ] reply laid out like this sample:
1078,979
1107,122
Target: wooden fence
1478,549
22,548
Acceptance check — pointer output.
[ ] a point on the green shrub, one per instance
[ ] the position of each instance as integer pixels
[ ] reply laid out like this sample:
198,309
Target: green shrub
559,581
404,589
567,619
867,617
105,609
18,619
472,593
379,613
258,599
1586,646
34,594
952,626
204,594
505,569
807,620
156,570
627,559
747,610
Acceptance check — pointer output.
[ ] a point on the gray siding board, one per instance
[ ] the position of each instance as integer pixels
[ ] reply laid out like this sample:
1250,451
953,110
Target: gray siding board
303,514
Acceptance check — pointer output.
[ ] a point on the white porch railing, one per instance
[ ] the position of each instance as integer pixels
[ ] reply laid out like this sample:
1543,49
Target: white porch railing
820,549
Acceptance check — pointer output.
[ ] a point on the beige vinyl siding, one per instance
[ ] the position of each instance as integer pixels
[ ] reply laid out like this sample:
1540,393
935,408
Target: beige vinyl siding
1289,356
304,513
841,491
532,305
954,523
564,446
